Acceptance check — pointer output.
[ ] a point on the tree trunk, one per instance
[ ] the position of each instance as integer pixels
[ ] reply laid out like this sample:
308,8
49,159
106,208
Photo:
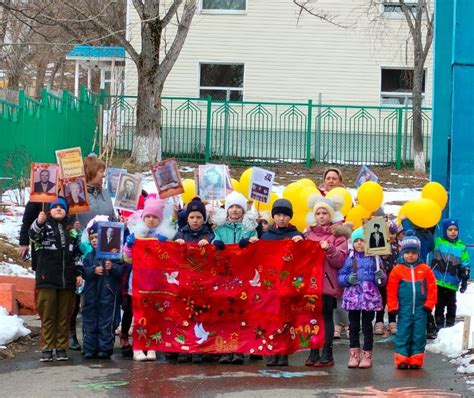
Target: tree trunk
419,156
147,137
40,76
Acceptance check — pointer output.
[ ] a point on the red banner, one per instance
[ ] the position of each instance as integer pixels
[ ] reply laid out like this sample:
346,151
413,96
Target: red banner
264,299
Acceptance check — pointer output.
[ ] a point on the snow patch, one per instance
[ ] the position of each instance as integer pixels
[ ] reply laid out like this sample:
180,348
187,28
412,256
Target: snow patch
448,342
11,327
14,269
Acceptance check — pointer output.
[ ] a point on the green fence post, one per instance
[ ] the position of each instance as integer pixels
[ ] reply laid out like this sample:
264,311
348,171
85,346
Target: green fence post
399,139
308,134
208,128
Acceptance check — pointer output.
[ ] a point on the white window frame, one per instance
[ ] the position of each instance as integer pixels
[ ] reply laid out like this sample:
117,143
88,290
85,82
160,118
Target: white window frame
223,11
241,89
407,95
395,14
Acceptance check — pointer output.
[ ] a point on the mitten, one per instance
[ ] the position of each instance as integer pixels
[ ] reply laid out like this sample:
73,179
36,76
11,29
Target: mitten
244,242
219,244
130,240
352,279
161,238
378,274
463,285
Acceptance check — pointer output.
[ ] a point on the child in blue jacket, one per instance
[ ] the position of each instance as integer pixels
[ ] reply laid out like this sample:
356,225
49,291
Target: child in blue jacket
451,266
101,303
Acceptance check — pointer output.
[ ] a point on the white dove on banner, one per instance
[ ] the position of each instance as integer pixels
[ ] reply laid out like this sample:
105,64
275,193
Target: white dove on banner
255,282
171,278
200,333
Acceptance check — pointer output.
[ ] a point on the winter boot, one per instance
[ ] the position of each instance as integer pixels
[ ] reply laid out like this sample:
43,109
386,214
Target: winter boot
313,358
337,331
450,321
237,359
139,356
431,331
225,359
197,358
327,358
273,360
151,355
365,360
73,342
184,358
392,326
378,328
354,358
125,346
61,355
283,360
46,356
439,322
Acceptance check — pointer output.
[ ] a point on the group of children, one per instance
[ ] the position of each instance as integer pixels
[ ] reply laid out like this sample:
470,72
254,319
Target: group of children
403,281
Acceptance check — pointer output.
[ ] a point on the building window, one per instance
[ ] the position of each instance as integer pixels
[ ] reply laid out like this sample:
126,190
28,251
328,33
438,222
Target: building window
224,6
392,8
222,81
397,85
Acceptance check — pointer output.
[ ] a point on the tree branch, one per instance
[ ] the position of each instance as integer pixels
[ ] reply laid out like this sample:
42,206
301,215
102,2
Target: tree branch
302,4
171,11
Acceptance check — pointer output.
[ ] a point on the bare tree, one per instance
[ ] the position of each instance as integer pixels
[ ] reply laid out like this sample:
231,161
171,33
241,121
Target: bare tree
419,18
91,22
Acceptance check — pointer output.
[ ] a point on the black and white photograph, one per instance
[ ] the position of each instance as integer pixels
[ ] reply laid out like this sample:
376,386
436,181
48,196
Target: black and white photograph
75,194
167,178
44,182
128,192
365,174
212,182
110,240
376,237
112,176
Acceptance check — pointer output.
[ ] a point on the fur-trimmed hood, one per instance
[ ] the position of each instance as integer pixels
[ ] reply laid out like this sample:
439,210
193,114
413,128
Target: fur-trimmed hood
249,221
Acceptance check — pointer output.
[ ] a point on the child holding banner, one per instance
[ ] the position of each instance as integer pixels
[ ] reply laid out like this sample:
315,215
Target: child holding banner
150,225
234,225
333,240
361,278
282,212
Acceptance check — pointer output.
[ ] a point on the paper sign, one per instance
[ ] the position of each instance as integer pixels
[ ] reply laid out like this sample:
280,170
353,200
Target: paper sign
112,176
110,240
70,162
261,184
212,182
365,174
128,192
75,193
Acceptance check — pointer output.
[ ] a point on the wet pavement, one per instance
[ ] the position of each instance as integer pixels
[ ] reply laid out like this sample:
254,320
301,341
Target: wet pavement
25,376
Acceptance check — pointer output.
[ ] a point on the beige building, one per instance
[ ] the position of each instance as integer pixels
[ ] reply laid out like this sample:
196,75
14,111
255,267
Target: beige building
263,50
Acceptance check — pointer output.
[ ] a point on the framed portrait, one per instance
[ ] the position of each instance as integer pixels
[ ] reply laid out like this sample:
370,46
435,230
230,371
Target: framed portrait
129,189
376,237
167,178
70,162
44,180
212,182
261,184
75,193
112,176
365,174
110,240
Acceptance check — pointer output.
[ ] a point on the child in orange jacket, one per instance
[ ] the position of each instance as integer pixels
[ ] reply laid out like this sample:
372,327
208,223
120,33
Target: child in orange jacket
411,294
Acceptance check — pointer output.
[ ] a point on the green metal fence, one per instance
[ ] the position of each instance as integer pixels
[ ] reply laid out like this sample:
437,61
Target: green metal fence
197,129
31,130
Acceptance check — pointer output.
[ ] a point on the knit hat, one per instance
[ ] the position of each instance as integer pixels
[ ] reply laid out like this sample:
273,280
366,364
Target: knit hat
410,242
267,216
94,228
393,228
357,234
196,205
235,198
445,224
282,206
153,207
60,201
327,204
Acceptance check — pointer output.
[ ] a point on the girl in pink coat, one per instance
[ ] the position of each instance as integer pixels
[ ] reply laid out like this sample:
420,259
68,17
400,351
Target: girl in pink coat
333,240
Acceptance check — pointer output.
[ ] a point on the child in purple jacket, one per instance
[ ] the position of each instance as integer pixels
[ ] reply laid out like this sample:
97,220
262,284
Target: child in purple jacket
361,276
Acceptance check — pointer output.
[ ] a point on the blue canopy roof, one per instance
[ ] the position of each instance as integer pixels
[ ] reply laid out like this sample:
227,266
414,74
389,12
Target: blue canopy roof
96,52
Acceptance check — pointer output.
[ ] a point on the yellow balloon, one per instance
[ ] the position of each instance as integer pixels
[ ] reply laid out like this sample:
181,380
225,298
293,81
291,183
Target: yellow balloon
266,206
402,212
435,191
346,197
424,213
370,195
235,185
189,190
244,180
299,198
356,214
307,182
291,189
299,221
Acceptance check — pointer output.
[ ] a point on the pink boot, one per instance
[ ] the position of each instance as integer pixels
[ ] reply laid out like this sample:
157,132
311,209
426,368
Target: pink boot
365,360
354,358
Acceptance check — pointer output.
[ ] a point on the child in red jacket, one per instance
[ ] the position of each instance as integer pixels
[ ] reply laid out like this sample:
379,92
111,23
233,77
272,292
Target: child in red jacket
411,294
